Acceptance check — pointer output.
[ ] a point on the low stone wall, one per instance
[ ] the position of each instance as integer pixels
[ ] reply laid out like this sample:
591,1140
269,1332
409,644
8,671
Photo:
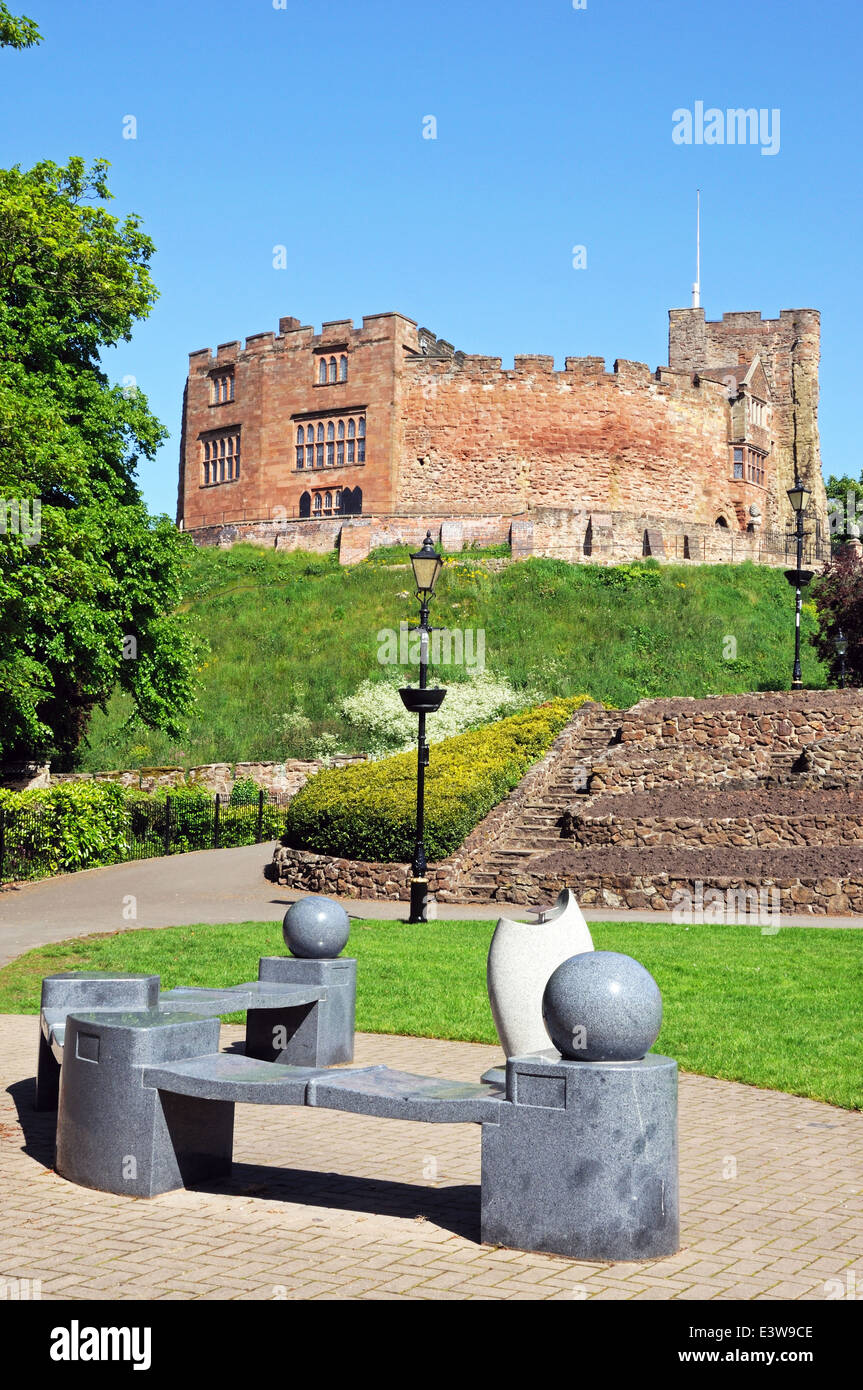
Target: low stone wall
817,892
767,718
762,831
566,533
626,768
286,777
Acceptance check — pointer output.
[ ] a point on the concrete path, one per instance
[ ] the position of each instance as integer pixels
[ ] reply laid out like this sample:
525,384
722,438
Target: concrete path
222,885
323,1205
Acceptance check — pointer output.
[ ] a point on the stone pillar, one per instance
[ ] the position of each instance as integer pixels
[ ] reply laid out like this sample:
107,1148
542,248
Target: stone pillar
584,1161
309,1035
118,1135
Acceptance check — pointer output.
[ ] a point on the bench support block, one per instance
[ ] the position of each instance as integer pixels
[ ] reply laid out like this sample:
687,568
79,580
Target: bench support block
584,1163
310,1035
117,1135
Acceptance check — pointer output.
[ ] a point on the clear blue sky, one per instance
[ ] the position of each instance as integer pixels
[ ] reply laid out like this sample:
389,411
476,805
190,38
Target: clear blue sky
260,126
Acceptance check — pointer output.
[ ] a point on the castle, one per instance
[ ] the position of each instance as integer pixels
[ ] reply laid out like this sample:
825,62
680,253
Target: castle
358,437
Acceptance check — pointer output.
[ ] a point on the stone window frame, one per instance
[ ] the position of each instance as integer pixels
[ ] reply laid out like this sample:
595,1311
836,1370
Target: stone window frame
331,367
220,456
329,502
758,412
752,464
221,387
336,440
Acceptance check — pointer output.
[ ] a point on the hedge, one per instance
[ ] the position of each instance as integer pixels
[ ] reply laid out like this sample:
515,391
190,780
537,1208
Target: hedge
367,811
86,825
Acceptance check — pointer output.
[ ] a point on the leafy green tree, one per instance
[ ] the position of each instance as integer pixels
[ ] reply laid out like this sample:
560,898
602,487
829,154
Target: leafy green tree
844,504
17,31
88,588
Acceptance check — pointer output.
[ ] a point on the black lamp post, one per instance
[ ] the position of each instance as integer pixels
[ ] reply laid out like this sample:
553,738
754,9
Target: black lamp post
840,642
426,564
798,578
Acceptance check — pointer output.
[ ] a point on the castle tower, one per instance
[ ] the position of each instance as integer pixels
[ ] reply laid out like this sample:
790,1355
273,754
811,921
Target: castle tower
790,350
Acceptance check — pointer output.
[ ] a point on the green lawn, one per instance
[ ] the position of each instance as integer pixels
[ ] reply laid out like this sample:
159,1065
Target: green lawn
781,1011
292,634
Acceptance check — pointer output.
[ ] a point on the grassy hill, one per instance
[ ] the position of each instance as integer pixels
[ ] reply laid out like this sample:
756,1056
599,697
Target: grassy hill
291,635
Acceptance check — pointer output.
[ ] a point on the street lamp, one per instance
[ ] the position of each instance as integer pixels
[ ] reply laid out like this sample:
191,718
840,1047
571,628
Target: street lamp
840,642
426,564
798,578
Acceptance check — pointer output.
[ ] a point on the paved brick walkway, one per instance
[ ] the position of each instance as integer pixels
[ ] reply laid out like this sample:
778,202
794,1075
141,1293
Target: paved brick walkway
330,1205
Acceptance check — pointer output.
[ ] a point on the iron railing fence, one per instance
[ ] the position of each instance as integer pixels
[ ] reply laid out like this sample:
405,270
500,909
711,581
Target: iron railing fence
29,847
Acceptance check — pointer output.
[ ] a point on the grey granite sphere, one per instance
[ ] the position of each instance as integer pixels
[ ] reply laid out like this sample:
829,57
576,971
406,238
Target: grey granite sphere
316,928
602,1006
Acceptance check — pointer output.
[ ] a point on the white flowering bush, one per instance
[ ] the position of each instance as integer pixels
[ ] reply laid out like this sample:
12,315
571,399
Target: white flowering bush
377,710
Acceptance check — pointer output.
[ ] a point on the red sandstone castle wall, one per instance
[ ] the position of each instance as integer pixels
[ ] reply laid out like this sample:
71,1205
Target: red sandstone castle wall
790,349
275,380
582,438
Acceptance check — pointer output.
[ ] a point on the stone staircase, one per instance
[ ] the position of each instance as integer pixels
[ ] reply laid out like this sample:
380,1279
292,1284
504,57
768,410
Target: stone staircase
754,793
539,827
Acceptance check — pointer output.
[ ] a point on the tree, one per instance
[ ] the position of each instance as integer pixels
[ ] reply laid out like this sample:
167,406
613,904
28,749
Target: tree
844,504
88,588
838,597
17,32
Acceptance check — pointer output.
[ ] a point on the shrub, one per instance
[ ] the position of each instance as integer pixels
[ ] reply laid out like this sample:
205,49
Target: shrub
245,792
388,727
367,811
76,825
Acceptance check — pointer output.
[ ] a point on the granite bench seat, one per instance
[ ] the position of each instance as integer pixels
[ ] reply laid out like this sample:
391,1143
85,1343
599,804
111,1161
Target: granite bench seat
257,994
376,1090
233,1078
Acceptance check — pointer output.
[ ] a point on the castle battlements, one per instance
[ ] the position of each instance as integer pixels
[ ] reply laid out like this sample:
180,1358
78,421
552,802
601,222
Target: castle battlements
384,419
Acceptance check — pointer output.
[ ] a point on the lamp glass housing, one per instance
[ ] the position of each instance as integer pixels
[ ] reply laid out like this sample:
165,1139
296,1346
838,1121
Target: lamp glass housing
426,565
798,496
840,641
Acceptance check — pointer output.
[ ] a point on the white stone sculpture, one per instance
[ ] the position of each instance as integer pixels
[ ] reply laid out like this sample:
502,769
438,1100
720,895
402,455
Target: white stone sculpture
521,958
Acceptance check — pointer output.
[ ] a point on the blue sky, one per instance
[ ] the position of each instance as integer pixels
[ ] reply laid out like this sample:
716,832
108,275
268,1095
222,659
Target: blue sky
302,127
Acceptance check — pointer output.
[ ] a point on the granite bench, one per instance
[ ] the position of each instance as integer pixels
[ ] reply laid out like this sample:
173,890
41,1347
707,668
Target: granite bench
578,1158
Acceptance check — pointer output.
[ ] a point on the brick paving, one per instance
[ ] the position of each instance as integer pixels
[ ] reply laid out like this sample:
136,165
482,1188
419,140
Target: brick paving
327,1205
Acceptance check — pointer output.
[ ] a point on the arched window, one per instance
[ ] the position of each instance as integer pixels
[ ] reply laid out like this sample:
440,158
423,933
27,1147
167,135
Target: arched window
343,368
310,449
236,456
340,450
206,462
322,371
352,431
357,504
721,522
328,502
305,505
230,458
361,440
319,456
330,445
338,499
332,369
318,502
301,453
221,460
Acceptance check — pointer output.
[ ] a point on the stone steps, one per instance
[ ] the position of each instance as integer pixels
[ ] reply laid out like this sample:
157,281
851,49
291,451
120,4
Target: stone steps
719,799
538,828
